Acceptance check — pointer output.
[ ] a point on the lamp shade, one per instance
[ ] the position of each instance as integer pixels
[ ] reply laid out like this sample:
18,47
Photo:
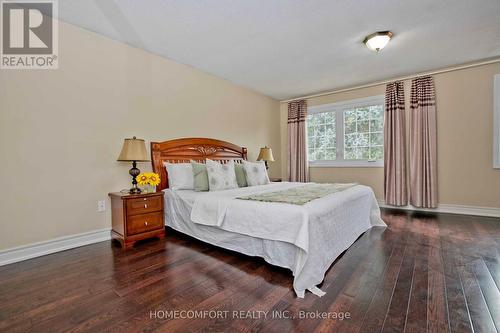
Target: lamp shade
266,154
134,150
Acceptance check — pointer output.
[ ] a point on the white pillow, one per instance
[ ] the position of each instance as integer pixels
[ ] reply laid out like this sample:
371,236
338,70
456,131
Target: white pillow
221,176
256,173
180,176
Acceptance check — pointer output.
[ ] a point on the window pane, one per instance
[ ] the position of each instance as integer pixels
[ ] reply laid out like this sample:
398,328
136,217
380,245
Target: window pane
320,154
320,119
314,130
331,141
376,125
376,139
311,122
329,117
363,133
330,154
363,114
363,139
321,130
377,153
349,127
350,154
350,140
312,142
377,112
364,126
364,153
312,154
318,142
331,127
350,116
321,136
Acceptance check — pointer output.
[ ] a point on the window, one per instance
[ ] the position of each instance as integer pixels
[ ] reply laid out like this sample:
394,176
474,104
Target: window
347,134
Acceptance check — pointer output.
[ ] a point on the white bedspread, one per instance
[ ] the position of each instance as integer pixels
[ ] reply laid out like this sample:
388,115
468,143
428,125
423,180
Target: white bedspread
322,229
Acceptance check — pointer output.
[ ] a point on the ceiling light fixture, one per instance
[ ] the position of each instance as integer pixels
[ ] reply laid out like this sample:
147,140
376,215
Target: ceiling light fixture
378,40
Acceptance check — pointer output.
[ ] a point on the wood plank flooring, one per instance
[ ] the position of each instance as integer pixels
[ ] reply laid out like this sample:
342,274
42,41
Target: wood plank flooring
424,273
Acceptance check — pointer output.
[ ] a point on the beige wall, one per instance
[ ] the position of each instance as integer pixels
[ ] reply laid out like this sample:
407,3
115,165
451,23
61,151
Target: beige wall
61,130
465,139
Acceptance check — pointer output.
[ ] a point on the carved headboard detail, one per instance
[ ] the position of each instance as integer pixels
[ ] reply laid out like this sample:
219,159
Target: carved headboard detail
197,149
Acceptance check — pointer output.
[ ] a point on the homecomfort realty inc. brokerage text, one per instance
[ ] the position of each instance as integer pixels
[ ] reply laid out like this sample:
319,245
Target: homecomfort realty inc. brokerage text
222,314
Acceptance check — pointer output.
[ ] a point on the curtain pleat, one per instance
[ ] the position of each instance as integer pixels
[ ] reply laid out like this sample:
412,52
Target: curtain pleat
298,170
423,143
395,178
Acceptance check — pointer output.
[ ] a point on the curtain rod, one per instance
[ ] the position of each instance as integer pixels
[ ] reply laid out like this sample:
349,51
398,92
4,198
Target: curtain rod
402,78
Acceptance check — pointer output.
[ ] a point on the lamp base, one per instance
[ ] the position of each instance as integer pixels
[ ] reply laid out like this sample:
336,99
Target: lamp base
134,172
135,190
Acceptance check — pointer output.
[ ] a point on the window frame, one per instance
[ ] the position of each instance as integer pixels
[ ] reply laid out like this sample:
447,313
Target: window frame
496,121
338,108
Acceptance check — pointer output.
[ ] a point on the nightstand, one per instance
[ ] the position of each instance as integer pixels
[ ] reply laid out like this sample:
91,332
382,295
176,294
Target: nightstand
275,179
136,217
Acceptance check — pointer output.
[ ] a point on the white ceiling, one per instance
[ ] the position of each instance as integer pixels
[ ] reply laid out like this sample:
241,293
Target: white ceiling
288,48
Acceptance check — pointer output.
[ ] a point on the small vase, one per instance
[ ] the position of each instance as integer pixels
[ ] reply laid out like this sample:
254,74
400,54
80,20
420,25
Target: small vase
148,189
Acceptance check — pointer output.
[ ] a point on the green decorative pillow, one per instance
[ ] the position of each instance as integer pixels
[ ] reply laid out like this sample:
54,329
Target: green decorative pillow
200,176
241,179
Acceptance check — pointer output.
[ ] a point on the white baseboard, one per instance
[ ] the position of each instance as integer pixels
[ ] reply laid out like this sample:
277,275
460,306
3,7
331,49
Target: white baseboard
451,209
25,252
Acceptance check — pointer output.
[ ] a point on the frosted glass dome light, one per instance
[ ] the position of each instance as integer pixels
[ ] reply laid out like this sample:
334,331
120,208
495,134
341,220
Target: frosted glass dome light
378,40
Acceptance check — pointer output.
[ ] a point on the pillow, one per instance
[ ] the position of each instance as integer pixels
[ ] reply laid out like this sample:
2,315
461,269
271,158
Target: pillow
221,176
200,176
256,173
180,176
241,179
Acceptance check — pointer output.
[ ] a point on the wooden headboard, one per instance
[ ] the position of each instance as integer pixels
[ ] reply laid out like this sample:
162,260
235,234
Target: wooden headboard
197,149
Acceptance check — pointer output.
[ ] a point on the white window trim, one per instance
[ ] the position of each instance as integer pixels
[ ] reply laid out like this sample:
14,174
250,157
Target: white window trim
496,122
339,126
346,164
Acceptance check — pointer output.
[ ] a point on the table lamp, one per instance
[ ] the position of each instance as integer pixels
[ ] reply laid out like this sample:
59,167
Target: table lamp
266,155
134,150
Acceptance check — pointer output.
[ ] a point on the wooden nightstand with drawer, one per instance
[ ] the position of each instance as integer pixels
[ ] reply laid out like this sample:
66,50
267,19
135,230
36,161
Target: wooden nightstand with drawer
136,217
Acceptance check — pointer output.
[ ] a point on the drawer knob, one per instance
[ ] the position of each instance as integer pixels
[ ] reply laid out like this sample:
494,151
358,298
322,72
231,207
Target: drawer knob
146,223
145,206
145,199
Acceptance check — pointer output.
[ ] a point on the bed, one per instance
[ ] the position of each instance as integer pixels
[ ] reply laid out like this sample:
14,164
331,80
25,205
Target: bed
303,238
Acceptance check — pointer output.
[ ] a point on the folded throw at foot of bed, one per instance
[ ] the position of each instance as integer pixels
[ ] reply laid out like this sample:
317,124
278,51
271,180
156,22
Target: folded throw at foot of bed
300,195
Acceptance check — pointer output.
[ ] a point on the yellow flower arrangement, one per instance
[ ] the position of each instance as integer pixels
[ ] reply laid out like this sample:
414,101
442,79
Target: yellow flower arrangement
148,178
142,179
154,179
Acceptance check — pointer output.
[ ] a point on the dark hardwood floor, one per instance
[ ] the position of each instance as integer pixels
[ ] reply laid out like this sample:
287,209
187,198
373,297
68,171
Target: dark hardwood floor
424,273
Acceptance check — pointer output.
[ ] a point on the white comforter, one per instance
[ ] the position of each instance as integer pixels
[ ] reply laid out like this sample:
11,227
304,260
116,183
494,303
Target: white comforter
322,229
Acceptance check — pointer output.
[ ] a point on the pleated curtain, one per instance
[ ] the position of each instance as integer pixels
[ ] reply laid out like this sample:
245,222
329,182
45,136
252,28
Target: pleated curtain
423,143
395,177
298,170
